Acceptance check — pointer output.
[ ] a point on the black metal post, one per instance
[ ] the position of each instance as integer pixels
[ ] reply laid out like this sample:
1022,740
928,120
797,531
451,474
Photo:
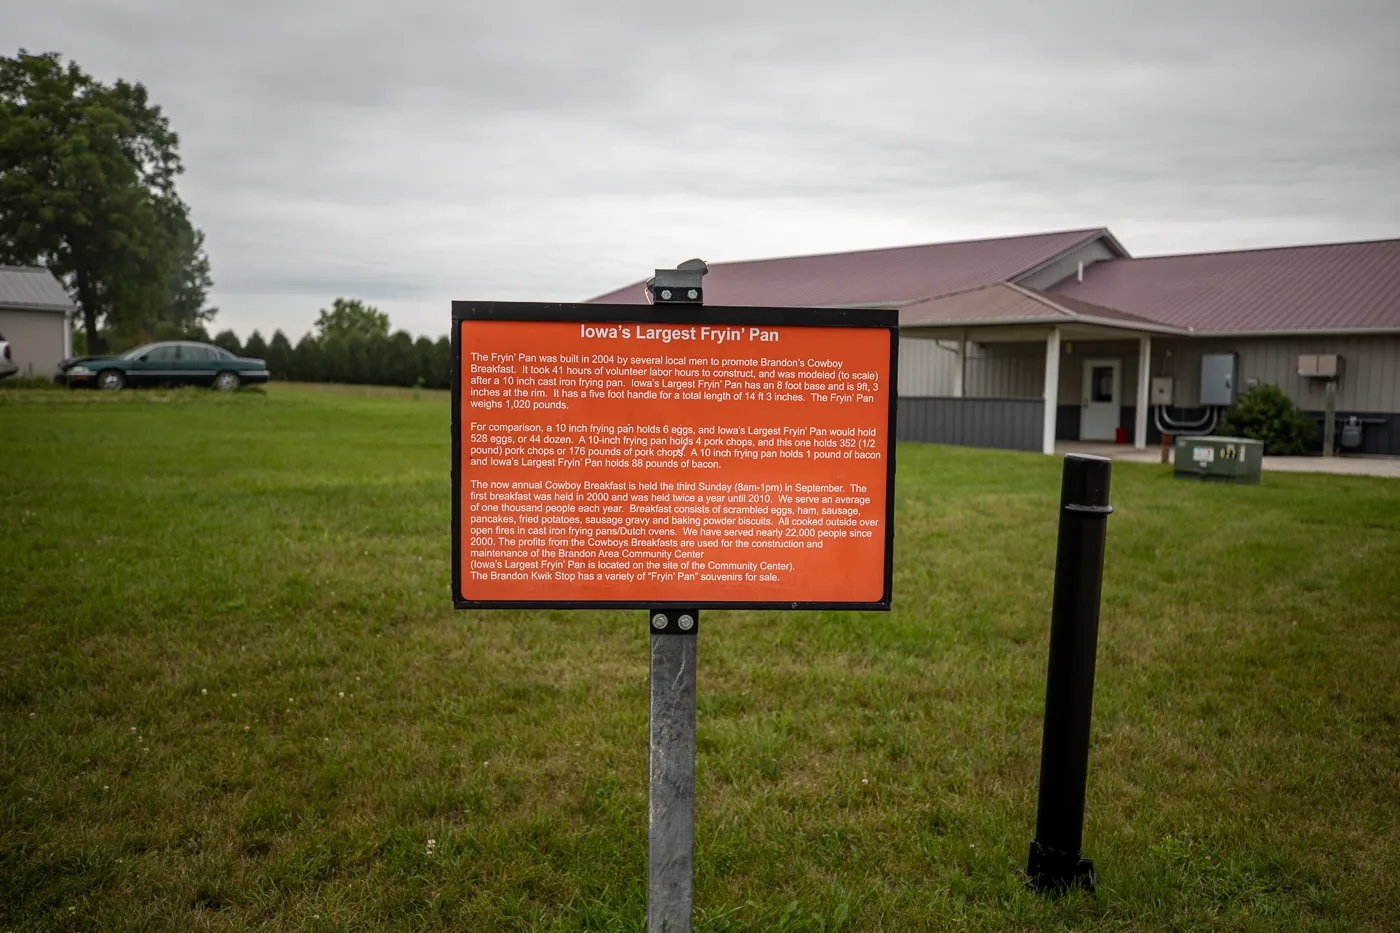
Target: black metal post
1055,860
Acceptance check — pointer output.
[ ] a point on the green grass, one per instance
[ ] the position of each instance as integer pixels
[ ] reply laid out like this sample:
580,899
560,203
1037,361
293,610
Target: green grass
233,696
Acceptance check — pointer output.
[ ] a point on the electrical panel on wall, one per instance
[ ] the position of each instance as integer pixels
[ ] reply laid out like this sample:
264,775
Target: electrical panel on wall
1219,376
1319,365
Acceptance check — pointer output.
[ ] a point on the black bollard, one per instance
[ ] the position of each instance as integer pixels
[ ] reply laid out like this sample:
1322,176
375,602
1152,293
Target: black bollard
1055,862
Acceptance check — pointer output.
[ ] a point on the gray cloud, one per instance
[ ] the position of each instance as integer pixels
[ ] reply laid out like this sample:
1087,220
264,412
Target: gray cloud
417,152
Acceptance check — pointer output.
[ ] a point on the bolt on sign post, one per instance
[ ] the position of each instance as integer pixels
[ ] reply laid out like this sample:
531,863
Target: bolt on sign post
672,457
1055,860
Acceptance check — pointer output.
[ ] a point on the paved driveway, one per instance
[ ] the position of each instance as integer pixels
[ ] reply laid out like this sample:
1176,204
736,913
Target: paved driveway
1350,465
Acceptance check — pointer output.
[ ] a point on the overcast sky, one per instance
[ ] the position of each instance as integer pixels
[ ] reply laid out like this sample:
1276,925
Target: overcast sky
414,152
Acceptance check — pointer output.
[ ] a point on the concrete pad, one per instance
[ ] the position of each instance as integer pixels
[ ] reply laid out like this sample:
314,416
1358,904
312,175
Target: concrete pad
1350,465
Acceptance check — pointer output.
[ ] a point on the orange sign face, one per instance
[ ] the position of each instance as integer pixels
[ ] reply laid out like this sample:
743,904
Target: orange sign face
607,461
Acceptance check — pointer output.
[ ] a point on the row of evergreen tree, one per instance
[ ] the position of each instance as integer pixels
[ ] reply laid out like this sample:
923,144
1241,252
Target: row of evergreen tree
395,360
351,343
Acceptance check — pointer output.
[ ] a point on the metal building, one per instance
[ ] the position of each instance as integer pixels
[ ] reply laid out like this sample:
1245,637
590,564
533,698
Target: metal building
35,319
1020,341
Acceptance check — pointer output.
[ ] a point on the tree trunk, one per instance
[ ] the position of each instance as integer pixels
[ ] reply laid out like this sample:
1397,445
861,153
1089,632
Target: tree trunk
94,342
89,301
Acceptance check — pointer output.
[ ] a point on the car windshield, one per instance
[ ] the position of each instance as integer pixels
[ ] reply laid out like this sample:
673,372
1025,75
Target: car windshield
138,351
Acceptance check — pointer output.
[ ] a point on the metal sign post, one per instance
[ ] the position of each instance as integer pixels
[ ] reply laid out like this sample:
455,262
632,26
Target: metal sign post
671,784
671,716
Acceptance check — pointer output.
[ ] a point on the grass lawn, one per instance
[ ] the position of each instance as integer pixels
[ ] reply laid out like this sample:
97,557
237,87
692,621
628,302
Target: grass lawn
233,696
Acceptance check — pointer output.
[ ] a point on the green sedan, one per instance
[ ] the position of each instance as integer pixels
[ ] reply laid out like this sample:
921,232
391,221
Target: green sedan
175,362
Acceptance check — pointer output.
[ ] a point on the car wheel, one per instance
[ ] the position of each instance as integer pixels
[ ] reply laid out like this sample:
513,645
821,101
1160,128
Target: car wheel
226,381
110,379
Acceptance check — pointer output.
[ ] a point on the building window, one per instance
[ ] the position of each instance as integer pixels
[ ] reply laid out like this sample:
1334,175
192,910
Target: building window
1102,384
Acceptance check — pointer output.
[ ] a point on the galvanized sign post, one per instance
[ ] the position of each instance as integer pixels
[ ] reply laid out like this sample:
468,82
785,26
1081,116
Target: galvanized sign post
671,714
671,767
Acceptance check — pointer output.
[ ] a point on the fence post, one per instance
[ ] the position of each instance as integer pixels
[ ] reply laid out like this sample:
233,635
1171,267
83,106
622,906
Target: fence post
1056,861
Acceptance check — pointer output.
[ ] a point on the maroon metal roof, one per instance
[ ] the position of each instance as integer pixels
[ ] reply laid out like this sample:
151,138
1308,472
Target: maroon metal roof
1086,309
1333,286
877,277
1006,304
991,303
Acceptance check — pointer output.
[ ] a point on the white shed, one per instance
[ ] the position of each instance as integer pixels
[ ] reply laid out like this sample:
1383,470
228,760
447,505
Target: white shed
35,317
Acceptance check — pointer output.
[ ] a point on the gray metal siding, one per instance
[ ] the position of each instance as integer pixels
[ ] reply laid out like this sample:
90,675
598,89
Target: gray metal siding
1017,370
1005,424
1006,371
1067,265
926,367
1370,376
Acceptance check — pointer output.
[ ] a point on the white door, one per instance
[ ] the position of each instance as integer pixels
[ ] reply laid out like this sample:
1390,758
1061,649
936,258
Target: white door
1100,400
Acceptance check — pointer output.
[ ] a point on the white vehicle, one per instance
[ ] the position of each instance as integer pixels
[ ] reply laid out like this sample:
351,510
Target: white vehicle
7,363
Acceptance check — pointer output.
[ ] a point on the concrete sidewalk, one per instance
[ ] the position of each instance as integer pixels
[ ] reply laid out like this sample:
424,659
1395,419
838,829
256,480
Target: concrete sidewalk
1351,465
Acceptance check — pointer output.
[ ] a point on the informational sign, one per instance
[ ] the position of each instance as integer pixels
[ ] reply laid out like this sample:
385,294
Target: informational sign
635,456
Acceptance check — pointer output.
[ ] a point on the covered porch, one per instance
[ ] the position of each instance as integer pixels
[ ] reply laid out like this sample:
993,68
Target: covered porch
1009,367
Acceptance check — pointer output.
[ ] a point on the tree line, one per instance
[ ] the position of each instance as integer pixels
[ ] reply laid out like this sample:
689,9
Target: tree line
350,343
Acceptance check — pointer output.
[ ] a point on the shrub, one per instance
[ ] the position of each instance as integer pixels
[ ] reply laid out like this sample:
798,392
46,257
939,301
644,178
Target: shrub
1265,413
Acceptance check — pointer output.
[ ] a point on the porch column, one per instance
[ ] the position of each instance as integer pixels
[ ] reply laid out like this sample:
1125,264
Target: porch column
962,365
68,317
1144,380
1052,387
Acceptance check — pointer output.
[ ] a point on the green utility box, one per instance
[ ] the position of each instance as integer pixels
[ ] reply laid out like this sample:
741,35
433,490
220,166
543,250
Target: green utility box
1221,459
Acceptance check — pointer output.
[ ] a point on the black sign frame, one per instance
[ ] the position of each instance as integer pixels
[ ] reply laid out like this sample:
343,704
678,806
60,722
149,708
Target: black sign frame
714,315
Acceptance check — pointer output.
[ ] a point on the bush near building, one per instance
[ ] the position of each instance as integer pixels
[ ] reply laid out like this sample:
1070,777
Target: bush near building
1266,413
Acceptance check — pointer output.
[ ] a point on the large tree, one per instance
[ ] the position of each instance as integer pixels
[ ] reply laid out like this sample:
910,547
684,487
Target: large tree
351,317
279,356
87,188
228,340
256,347
184,313
189,283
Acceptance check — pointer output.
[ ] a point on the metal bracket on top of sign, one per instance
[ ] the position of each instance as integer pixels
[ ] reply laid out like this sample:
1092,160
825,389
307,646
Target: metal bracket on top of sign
678,286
